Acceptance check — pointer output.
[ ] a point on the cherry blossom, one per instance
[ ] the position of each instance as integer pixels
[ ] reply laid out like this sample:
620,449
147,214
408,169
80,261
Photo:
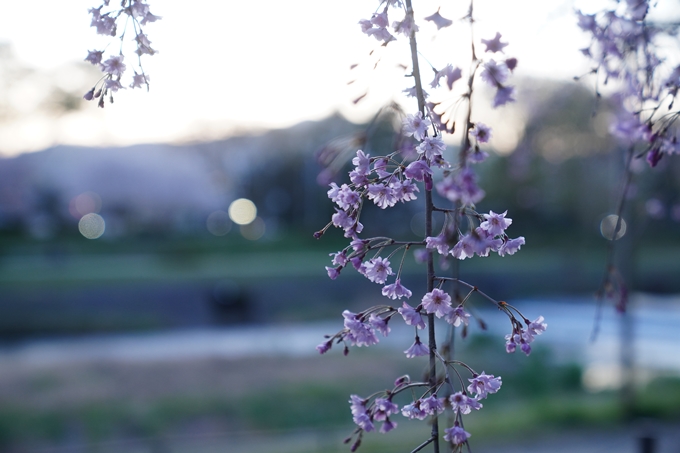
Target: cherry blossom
456,435
411,316
437,302
494,45
495,224
417,349
439,21
481,132
416,126
396,290
463,403
483,384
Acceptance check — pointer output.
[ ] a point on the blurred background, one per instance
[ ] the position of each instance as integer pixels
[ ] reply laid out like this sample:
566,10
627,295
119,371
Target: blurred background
160,288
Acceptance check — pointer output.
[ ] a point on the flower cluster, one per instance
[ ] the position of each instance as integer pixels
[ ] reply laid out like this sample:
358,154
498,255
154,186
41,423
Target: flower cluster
627,53
105,19
488,237
416,166
524,337
378,408
631,57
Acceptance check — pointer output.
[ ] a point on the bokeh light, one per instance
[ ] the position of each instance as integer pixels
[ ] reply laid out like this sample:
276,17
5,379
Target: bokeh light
608,226
218,223
253,230
85,203
91,226
655,208
242,211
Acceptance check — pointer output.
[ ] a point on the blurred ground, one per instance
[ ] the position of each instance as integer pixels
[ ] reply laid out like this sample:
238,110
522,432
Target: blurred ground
263,389
266,405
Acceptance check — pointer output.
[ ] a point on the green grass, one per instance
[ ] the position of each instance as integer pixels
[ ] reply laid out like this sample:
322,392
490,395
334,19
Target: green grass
322,406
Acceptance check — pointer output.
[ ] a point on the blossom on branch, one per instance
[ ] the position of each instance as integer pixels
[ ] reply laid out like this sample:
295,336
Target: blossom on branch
456,435
439,20
494,45
437,302
417,349
416,126
133,14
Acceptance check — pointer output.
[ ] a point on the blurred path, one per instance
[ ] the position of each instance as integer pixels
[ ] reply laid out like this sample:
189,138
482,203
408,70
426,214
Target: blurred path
667,440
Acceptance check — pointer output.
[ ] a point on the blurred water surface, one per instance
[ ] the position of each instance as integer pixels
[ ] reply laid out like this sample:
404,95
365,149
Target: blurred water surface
570,322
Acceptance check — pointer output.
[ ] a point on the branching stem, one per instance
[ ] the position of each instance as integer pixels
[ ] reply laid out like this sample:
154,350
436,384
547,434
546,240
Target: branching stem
432,341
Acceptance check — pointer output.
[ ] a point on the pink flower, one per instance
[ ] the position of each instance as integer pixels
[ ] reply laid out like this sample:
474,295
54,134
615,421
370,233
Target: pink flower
417,170
432,405
341,220
377,270
510,345
359,414
586,22
439,242
148,17
477,156
431,147
138,80
404,190
465,248
511,246
388,426
411,316
340,258
481,132
494,74
437,302
451,75
417,349
362,162
358,333
113,85
537,326
382,195
380,167
333,272
463,403
439,21
456,435
484,384
347,198
406,26
377,27
495,224
94,56
324,347
461,186
380,20
504,95
358,179
458,316
416,125
106,25
413,410
413,92
114,66
396,290
494,45
379,324
384,408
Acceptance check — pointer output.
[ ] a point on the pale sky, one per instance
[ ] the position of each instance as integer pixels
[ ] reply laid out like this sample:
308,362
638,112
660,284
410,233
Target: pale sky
228,66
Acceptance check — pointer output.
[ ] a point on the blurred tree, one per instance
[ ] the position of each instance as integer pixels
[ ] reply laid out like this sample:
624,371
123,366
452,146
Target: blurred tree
26,91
